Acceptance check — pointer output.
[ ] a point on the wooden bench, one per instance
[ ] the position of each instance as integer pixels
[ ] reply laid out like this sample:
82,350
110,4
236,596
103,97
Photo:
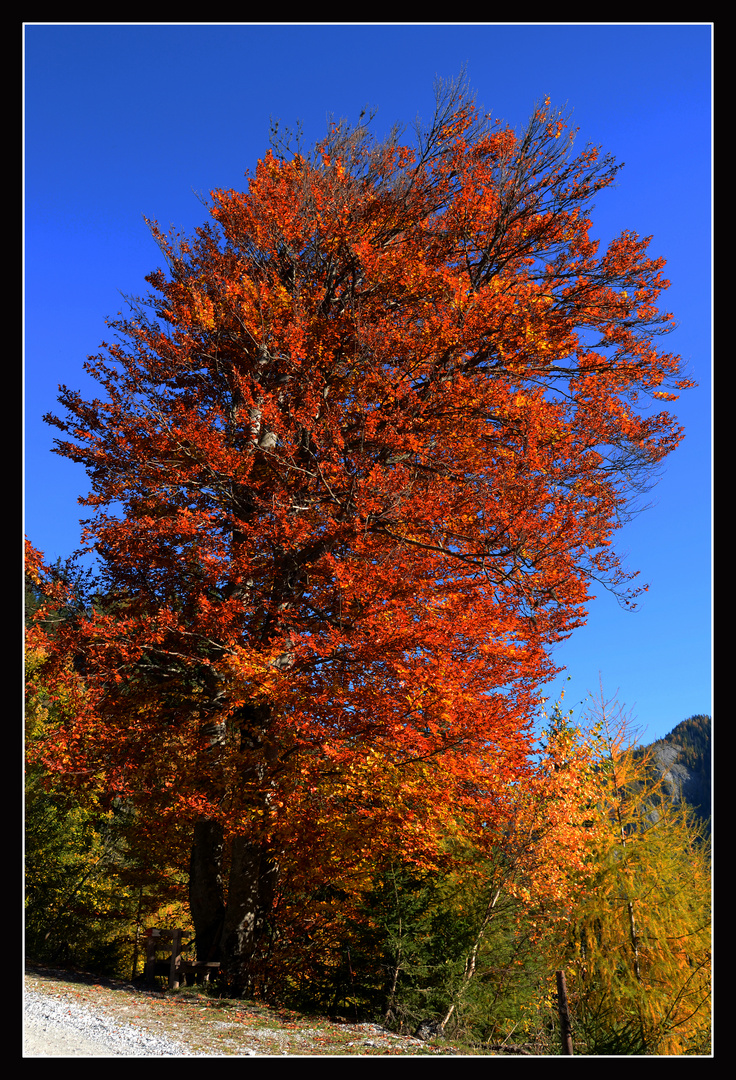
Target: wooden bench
174,966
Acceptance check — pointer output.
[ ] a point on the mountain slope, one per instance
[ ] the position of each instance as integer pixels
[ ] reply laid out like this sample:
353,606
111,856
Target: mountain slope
683,759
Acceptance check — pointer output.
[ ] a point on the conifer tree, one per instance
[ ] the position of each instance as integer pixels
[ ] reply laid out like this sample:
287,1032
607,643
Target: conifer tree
639,952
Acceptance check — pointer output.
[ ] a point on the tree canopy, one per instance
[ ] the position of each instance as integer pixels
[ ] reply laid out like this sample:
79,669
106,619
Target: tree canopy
357,462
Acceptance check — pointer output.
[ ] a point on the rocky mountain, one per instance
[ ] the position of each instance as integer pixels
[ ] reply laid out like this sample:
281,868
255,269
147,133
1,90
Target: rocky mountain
683,759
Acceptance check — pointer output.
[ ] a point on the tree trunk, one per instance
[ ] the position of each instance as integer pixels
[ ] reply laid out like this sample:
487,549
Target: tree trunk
246,932
206,898
246,935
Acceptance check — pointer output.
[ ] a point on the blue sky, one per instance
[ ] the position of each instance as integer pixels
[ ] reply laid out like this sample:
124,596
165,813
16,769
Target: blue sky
123,121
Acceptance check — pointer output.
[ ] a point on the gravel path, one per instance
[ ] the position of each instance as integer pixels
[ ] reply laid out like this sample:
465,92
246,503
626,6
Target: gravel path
56,1028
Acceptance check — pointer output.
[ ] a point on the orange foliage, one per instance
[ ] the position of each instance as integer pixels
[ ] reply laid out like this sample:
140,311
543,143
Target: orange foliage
354,471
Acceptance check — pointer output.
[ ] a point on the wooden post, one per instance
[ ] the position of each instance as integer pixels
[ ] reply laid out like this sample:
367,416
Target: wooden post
151,936
153,939
564,1014
175,958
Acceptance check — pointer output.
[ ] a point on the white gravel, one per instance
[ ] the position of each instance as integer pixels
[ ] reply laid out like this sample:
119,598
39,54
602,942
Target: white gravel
57,1028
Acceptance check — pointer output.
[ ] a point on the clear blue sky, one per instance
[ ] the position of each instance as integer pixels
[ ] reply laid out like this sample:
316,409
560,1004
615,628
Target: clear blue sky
123,121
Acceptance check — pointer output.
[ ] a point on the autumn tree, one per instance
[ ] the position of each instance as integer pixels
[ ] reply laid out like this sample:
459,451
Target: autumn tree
94,869
502,897
638,952
357,462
